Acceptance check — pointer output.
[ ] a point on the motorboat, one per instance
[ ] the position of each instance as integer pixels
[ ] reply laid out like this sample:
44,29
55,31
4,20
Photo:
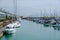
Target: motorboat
17,24
47,22
57,25
19,19
10,29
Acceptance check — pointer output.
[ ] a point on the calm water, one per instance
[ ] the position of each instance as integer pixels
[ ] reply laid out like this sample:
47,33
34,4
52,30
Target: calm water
31,31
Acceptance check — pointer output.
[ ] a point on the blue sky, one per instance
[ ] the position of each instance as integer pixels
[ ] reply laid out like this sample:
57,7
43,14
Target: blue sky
29,7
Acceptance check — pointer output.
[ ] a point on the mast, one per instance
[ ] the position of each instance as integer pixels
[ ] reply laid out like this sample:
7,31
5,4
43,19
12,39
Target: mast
50,13
45,13
15,8
41,13
15,5
55,13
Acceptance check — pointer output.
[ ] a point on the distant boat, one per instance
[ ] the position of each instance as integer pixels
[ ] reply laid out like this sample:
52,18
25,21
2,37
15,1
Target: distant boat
17,24
47,22
40,21
56,25
58,20
10,29
19,19
35,20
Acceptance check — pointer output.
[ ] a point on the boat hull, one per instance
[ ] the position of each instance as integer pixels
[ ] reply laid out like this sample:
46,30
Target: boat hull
46,24
9,31
18,25
56,25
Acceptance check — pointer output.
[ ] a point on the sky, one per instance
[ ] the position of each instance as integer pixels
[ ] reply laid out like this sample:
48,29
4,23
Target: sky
30,7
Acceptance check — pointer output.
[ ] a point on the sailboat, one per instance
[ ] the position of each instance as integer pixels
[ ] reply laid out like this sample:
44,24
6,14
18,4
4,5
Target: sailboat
17,23
47,20
57,24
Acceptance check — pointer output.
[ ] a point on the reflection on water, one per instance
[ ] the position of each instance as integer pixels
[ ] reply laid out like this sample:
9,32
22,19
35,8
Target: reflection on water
46,26
9,36
32,31
55,28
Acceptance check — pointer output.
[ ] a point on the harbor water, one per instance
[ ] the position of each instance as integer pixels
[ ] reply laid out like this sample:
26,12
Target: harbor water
32,31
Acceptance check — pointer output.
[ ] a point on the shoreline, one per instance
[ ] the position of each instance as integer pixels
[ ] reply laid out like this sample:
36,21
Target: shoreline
1,34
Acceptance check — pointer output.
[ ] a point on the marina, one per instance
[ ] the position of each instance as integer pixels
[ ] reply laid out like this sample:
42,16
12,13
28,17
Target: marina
29,20
32,31
31,28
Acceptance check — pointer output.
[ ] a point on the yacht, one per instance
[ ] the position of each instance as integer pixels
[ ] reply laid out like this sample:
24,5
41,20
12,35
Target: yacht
10,29
47,22
56,25
17,24
19,19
